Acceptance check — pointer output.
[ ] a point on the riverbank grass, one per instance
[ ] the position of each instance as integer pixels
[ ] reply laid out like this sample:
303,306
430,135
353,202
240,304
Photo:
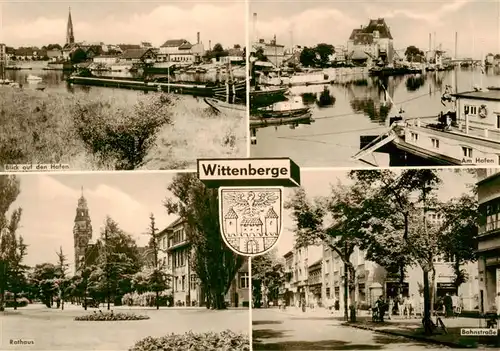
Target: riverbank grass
158,131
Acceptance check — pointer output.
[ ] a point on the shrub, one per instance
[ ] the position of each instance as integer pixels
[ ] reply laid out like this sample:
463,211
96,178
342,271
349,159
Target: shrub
110,316
21,302
147,299
223,341
120,132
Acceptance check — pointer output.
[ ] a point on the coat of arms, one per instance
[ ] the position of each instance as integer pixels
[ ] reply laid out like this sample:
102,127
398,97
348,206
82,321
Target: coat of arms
250,218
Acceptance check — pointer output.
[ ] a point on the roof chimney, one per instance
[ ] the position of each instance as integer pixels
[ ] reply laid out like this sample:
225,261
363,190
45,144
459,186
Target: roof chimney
198,38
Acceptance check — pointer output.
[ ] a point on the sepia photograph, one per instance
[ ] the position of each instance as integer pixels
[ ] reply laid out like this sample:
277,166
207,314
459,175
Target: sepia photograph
375,83
383,259
117,261
111,85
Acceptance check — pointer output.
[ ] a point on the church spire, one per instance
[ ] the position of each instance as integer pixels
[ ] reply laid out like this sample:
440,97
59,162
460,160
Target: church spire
70,37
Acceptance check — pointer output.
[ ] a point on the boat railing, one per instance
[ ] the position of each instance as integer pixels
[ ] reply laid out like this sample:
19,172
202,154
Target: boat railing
459,127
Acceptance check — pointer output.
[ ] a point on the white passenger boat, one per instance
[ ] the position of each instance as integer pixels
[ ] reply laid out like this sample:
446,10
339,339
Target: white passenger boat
466,134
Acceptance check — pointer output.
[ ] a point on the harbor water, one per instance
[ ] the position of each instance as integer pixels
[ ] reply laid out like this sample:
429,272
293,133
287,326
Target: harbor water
55,81
344,112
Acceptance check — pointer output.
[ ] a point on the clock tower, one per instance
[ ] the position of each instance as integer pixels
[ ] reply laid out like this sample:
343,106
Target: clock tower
82,230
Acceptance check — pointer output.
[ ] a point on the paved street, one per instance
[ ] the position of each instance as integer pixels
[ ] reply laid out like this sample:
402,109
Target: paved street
277,330
53,329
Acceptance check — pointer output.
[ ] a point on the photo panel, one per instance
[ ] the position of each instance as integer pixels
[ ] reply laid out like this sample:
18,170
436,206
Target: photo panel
376,259
121,85
375,83
117,261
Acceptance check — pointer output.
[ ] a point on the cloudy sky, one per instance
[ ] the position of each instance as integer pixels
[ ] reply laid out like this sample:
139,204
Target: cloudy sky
318,183
40,22
311,22
49,206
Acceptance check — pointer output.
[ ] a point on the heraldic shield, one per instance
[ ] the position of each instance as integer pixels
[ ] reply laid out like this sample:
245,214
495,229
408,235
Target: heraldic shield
250,218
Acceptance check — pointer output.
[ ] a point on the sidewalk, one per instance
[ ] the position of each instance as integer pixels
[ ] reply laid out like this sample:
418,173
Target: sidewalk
412,328
318,312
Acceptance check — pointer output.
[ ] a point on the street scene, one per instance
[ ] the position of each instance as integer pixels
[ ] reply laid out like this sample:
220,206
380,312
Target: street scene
375,259
117,262
342,84
108,85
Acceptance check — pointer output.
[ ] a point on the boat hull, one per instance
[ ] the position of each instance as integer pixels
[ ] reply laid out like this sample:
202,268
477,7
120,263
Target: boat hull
256,122
281,114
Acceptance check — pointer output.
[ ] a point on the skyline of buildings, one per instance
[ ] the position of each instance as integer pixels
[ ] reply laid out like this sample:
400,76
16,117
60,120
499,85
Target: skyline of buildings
115,23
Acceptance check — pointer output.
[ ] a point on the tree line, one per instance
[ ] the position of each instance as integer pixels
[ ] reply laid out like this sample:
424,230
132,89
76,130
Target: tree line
386,214
114,265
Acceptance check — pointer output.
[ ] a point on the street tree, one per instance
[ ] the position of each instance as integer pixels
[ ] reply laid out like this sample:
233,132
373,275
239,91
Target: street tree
214,263
16,270
155,277
459,233
412,192
78,56
9,191
308,57
267,278
323,53
45,277
117,262
340,235
389,206
414,54
63,283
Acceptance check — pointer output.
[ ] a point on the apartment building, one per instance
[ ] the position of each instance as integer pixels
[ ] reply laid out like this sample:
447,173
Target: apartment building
177,253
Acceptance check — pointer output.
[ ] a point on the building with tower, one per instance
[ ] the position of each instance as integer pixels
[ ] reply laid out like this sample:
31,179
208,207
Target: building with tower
70,46
82,231
70,36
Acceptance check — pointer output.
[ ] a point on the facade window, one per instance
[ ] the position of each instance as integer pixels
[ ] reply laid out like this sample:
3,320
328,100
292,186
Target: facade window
435,143
498,121
244,280
467,151
192,282
183,283
176,285
327,293
361,292
414,137
327,266
470,110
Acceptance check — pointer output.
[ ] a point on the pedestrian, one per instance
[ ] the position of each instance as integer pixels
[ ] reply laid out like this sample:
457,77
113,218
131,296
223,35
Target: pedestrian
391,308
407,305
381,306
455,304
422,306
413,306
448,305
400,303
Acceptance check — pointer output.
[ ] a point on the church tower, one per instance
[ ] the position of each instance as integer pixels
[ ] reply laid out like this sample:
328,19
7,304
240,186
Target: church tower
82,230
70,37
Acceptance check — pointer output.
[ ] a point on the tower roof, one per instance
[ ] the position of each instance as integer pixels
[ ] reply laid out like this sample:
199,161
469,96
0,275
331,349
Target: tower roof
70,36
231,214
271,214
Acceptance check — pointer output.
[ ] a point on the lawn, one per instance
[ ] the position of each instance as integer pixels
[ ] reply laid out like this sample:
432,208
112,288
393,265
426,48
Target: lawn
53,329
92,132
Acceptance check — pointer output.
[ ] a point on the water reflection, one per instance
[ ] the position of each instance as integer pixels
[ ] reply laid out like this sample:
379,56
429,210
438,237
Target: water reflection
326,99
361,107
414,83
